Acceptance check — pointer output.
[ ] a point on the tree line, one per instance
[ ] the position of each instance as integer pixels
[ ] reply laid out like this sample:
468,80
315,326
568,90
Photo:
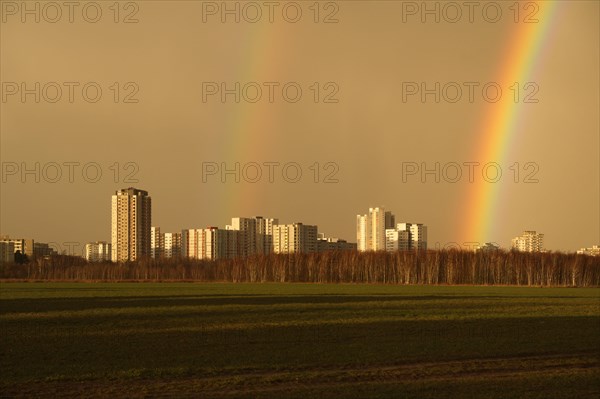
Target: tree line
552,269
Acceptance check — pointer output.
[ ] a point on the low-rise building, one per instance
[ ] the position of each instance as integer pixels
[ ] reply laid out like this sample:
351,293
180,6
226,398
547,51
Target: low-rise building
24,246
41,249
99,251
592,251
7,252
487,247
325,244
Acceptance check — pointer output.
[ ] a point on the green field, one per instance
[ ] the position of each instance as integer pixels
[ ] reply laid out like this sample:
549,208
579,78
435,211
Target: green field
298,341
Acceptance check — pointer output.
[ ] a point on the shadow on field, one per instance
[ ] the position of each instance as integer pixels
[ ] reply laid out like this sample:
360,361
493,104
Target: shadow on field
109,350
29,305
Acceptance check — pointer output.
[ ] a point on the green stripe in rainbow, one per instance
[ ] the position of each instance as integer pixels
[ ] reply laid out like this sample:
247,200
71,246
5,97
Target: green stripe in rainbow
499,127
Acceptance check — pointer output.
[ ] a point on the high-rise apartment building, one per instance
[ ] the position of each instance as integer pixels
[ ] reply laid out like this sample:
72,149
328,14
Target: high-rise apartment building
292,238
189,243
379,221
264,230
417,234
370,229
246,227
131,225
164,245
397,240
529,241
98,251
361,232
171,245
256,234
156,242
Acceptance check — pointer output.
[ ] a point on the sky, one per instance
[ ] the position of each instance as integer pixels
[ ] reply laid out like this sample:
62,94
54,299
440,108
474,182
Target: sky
326,108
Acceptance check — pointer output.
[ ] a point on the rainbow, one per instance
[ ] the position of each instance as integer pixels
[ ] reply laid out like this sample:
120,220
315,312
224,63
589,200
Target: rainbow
245,122
499,126
496,131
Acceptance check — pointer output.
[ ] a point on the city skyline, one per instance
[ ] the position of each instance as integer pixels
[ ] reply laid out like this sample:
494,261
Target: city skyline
131,221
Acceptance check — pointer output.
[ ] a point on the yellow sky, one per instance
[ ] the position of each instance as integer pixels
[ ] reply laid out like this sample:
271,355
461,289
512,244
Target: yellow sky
166,58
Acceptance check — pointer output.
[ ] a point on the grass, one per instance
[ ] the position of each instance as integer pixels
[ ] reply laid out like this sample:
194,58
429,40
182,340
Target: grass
298,341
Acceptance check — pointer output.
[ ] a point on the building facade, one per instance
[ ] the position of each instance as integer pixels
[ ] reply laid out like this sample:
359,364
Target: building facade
41,249
594,250
247,235
294,238
156,243
361,232
165,245
99,251
325,244
26,246
488,247
264,231
371,229
171,245
131,225
7,251
397,240
255,234
529,241
210,243
417,234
